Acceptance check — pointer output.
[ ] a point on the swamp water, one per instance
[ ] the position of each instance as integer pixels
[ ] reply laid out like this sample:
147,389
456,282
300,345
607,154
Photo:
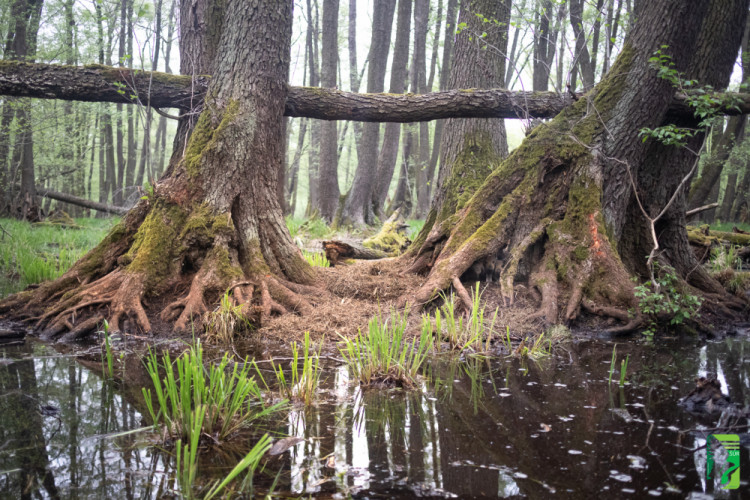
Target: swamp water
480,428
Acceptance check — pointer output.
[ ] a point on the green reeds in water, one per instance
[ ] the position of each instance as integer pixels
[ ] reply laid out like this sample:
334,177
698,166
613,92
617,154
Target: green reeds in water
623,366
108,356
229,397
382,354
301,385
473,335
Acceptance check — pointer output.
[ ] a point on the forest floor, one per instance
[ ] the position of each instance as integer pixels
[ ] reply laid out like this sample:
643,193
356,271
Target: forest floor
351,294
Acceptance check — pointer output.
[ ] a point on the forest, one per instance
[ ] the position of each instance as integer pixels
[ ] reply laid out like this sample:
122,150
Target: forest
334,231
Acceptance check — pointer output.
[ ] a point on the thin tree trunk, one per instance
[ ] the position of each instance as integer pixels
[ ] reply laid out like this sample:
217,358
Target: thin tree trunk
389,148
358,208
328,189
313,152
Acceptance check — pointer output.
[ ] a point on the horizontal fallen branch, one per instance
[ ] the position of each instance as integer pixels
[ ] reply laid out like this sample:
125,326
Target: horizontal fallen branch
81,202
97,83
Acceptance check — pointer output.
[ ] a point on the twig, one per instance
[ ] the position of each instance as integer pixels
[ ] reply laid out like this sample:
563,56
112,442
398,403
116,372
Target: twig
701,209
4,232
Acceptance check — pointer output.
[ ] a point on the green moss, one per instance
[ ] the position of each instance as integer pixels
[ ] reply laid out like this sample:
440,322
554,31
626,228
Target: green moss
205,135
226,270
581,253
156,243
469,171
203,224
391,239
94,260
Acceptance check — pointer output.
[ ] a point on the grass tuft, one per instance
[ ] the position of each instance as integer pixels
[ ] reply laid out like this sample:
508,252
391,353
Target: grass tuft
223,399
383,356
316,259
301,385
227,320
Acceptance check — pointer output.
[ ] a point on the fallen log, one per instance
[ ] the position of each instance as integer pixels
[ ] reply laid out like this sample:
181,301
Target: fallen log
98,83
337,250
81,202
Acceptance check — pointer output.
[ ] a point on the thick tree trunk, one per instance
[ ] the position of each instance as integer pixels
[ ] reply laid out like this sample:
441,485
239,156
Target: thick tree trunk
199,233
554,214
471,148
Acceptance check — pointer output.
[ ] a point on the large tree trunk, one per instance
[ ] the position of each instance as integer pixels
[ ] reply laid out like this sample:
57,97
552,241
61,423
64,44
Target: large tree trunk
555,213
201,234
471,148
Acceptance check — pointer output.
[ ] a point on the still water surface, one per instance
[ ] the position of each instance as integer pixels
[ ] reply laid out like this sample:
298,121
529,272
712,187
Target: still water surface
478,428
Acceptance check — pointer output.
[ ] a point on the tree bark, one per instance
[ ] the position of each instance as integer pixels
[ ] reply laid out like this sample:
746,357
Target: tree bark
313,153
421,158
96,83
392,134
471,148
82,202
199,229
582,60
328,189
357,209
554,215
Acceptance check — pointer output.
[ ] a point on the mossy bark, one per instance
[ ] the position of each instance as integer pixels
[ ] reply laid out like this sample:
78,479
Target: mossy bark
553,215
213,223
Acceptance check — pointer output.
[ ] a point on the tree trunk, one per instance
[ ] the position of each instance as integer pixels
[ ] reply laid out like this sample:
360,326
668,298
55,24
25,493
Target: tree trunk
741,206
729,197
313,153
555,213
392,134
421,154
582,61
471,148
328,190
358,209
199,230
703,186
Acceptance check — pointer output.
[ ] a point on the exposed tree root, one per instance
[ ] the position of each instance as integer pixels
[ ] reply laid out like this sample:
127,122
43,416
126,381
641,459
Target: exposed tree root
123,293
462,294
546,283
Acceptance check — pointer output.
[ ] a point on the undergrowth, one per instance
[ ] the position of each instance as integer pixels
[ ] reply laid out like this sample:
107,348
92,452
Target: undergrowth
226,321
462,333
31,253
302,384
316,259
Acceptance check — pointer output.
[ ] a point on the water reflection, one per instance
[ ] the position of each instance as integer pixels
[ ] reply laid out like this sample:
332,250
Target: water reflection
58,419
500,428
477,428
